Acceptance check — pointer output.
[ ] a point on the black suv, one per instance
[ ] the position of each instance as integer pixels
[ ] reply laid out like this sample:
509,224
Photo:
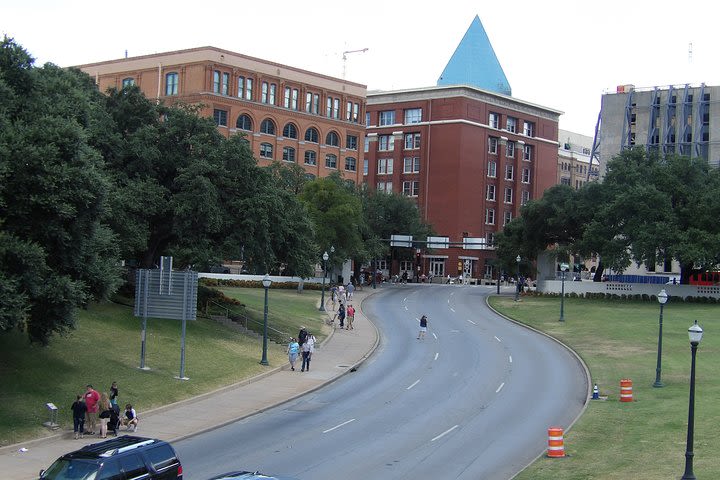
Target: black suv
121,458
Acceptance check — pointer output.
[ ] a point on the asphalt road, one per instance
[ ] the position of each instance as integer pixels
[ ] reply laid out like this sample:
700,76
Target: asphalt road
472,401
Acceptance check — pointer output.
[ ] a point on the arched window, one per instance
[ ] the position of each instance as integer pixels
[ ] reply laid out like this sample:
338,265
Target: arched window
267,126
266,150
311,135
332,139
290,131
244,122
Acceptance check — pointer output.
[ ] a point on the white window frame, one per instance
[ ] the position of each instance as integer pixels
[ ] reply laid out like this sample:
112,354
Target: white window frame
528,129
492,169
527,153
411,188
509,172
511,124
490,193
412,141
508,197
411,165
525,175
386,117
413,115
386,143
385,166
493,145
489,216
493,119
510,150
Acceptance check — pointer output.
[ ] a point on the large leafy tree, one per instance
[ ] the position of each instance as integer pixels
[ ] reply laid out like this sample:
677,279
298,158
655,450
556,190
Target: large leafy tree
56,253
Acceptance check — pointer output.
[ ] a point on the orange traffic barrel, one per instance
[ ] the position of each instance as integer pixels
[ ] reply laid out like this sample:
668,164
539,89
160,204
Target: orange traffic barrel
626,393
556,446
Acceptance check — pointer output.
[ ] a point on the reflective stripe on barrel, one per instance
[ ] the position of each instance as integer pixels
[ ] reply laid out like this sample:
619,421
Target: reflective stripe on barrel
556,446
626,393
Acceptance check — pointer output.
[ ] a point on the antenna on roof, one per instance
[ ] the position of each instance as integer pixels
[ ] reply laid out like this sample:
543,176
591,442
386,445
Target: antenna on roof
362,50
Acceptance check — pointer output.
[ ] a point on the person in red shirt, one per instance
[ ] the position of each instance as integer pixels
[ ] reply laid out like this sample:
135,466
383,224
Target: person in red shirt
92,398
350,316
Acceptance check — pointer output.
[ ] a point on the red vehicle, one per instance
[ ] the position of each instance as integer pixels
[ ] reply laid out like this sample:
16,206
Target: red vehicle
704,278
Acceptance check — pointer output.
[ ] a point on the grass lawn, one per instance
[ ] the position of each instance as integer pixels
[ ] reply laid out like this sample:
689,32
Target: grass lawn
644,439
105,347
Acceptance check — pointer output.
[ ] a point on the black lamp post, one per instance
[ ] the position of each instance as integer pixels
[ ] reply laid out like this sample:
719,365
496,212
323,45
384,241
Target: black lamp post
662,299
563,269
322,296
266,281
695,334
517,286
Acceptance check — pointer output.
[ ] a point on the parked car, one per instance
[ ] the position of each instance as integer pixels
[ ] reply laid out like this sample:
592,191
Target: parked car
122,457
243,475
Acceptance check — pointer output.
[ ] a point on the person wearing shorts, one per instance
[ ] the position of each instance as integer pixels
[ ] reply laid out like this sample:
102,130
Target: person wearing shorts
423,328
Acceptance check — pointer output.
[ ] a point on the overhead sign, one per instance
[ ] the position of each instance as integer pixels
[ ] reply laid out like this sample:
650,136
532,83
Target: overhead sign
438,242
401,240
474,243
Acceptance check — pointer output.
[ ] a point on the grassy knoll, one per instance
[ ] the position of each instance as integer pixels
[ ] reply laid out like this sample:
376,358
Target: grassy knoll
106,347
618,339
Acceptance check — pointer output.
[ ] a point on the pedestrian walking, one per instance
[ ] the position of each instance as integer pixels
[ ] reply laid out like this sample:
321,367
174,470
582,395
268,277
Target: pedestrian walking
350,316
341,315
423,327
307,350
350,290
79,410
302,335
293,350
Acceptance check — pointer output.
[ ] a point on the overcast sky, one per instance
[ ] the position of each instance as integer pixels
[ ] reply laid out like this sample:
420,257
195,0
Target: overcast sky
559,54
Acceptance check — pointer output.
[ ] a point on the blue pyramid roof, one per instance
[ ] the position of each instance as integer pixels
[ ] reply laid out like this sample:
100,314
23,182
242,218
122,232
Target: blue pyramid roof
475,63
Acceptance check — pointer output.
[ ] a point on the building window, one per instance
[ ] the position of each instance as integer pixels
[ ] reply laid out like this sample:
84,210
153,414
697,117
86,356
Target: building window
356,112
311,135
524,197
225,86
351,142
509,171
525,175
413,115
366,166
385,143
411,165
310,158
412,141
266,150
350,164
367,119
508,195
216,81
220,117
308,102
366,144
384,187
128,82
490,239
244,122
529,129
289,154
510,150
494,120
267,126
336,108
492,169
490,216
290,131
387,117
490,194
348,111
527,152
291,98
268,93
245,89
492,145
507,217
411,189
286,101
332,139
330,161
511,124
385,166
171,84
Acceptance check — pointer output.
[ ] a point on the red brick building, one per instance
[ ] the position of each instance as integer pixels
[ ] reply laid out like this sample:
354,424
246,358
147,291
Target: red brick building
286,113
470,157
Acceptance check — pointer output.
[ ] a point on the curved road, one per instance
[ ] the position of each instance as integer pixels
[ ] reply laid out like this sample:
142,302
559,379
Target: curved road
472,401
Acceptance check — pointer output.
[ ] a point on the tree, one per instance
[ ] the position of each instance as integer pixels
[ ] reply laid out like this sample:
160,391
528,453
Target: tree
57,254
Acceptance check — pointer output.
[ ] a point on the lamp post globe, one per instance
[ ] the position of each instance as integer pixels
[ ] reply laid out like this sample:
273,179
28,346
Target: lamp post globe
695,333
325,257
266,282
662,300
517,286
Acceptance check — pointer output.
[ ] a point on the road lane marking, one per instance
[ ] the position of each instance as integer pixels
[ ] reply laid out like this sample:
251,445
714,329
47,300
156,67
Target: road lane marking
472,322
496,338
338,426
406,308
405,299
437,354
414,383
500,387
452,309
434,335
445,433
510,358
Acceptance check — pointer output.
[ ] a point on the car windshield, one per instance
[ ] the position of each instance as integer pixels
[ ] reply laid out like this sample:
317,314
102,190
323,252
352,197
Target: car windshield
71,470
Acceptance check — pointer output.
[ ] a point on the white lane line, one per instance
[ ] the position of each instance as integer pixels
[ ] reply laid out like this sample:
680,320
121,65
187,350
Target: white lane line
496,338
406,308
510,358
472,322
452,309
448,300
434,335
338,426
445,433
414,383
437,354
405,299
500,387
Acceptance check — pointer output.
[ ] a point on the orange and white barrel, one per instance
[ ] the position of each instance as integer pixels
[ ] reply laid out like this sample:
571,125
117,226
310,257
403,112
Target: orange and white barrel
556,445
626,393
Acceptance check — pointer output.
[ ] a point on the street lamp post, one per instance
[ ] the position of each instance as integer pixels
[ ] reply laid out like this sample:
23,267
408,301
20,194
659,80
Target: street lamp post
517,286
695,334
266,281
563,268
662,300
322,296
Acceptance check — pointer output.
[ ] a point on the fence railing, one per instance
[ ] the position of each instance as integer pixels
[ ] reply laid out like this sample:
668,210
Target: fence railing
246,321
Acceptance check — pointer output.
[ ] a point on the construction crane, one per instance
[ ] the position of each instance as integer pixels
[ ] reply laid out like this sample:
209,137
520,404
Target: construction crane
345,54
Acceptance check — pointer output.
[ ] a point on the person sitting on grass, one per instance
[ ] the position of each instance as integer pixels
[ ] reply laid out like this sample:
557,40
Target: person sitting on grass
130,419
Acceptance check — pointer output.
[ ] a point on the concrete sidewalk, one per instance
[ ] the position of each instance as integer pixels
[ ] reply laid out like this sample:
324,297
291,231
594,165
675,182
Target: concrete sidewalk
342,351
